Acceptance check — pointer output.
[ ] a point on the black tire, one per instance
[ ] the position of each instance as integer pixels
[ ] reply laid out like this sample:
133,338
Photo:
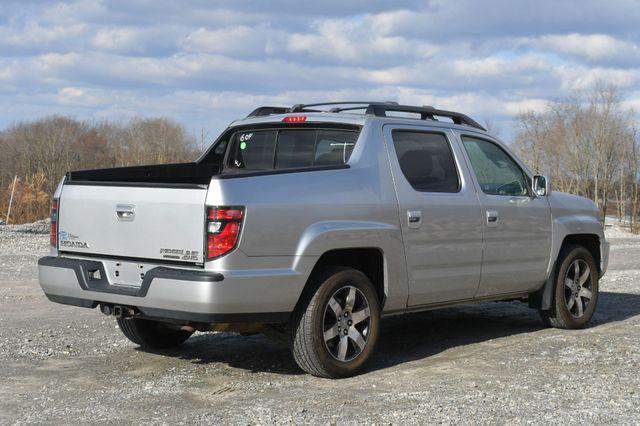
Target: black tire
152,334
563,313
308,323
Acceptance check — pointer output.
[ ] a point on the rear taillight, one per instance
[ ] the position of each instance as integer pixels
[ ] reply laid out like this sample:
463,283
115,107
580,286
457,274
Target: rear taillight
222,230
54,223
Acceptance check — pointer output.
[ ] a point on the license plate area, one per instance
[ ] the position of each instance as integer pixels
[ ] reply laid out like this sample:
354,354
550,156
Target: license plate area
129,274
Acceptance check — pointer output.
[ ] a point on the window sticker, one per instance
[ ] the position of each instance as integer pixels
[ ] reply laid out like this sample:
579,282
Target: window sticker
244,138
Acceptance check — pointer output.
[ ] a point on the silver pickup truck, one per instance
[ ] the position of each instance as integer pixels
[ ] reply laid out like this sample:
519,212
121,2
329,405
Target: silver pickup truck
312,223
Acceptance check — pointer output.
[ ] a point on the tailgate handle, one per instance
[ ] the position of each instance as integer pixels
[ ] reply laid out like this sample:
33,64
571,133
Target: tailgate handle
125,211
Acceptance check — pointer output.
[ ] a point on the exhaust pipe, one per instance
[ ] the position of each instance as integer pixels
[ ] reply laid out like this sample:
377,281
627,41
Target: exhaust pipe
106,309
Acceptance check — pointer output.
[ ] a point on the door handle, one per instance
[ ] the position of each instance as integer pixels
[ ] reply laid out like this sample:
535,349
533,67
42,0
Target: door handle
492,218
414,218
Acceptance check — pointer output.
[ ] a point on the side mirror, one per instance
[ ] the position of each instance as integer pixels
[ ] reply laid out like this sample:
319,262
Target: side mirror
541,186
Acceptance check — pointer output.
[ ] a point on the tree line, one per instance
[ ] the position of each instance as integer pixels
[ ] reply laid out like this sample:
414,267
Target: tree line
40,152
589,145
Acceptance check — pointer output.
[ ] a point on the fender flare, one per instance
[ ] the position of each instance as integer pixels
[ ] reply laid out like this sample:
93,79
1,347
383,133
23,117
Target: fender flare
326,236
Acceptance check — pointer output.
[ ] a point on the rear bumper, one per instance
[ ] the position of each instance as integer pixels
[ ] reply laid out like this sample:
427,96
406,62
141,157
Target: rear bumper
165,293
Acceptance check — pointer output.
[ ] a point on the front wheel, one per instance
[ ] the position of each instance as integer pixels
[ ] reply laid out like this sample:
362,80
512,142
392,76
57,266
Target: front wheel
152,334
333,335
576,290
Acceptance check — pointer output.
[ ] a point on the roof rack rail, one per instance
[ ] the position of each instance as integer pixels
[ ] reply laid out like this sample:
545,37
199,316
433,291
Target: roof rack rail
377,109
305,107
426,113
267,110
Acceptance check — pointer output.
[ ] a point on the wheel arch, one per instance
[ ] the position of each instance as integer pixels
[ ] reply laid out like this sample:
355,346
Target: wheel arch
591,242
368,260
544,297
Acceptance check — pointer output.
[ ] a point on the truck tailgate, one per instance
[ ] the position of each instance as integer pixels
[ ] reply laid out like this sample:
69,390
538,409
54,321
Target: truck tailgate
143,222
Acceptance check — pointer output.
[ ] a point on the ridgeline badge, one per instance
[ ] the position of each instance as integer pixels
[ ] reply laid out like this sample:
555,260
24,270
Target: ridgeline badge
179,254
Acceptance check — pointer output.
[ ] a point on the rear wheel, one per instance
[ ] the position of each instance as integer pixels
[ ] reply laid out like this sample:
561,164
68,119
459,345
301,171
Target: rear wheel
334,333
152,334
576,290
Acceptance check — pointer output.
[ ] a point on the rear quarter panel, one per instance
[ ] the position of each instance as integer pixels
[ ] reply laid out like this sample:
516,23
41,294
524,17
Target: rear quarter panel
296,217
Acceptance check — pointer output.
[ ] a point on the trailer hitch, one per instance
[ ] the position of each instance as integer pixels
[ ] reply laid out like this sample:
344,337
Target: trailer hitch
117,311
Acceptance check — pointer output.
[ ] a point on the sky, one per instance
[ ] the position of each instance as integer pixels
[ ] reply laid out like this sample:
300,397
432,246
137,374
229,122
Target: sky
206,63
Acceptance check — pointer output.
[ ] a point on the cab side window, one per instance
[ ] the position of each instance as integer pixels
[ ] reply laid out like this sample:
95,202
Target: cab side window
334,147
426,161
495,170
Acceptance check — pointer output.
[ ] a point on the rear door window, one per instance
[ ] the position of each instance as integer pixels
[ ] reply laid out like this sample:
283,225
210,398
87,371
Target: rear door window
426,161
289,149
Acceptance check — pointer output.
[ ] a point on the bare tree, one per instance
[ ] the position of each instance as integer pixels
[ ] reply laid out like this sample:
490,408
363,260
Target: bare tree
42,151
492,127
633,161
580,142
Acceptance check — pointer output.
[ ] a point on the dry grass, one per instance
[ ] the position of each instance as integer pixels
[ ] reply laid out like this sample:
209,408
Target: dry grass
30,201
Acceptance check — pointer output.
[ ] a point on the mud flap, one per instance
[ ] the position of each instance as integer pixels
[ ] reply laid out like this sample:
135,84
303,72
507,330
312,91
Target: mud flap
543,298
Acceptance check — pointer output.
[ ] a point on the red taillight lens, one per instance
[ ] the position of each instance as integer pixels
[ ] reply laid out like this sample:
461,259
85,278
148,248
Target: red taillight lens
54,223
222,230
295,119
225,213
54,234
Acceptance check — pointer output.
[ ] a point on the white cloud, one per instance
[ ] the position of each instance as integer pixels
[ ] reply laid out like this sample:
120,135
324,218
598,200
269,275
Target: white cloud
54,61
116,39
469,19
34,35
595,47
633,104
495,66
206,64
581,77
241,40
79,97
356,41
71,12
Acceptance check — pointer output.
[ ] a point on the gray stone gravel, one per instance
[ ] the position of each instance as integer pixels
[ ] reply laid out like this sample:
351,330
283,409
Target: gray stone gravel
490,363
20,245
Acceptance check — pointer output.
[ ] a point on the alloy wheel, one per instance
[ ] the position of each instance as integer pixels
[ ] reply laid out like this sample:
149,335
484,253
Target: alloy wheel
346,322
578,288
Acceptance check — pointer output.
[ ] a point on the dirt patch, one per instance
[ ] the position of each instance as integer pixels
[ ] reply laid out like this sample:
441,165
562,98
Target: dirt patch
484,363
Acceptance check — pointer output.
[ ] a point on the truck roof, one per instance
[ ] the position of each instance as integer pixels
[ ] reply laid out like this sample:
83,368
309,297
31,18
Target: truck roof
356,112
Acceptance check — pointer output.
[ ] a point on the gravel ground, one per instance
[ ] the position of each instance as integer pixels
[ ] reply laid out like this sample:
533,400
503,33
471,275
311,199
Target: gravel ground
486,363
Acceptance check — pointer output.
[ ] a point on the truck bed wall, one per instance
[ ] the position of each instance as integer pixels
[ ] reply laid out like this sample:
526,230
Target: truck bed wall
180,173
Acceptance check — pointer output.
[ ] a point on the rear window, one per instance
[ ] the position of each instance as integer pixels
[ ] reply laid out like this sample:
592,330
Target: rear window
253,150
289,149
